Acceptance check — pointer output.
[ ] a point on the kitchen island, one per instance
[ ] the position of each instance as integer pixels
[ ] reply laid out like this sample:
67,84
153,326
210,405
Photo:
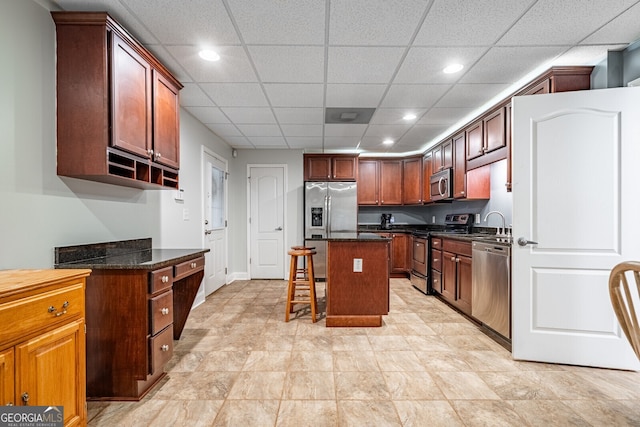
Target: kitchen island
357,279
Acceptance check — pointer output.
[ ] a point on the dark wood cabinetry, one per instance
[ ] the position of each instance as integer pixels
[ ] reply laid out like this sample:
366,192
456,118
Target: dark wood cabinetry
400,253
442,156
426,177
390,182
380,182
459,166
412,181
436,264
368,179
330,167
106,78
456,274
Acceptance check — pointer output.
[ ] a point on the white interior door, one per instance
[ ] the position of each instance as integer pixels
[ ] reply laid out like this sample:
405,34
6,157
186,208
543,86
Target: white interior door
266,222
215,222
575,192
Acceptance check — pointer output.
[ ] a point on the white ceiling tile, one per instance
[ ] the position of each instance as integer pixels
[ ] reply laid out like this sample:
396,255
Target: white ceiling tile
299,115
421,134
280,22
470,95
209,26
425,64
354,95
552,22
268,141
373,143
224,130
622,29
289,64
208,114
387,131
374,22
345,142
586,55
304,141
240,115
192,96
343,130
515,63
238,142
301,130
468,23
394,116
295,95
235,94
362,64
165,57
444,116
260,130
413,96
233,66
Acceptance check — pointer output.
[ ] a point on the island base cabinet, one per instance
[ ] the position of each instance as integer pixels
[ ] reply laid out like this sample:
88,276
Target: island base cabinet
357,298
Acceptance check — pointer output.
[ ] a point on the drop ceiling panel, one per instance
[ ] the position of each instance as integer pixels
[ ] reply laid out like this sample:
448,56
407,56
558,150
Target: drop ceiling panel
299,64
302,130
344,130
235,94
295,95
260,130
240,115
619,30
209,26
341,142
304,142
354,95
192,96
239,142
413,96
298,22
168,60
268,141
387,131
374,22
362,64
299,115
234,65
470,95
585,55
468,23
223,130
394,116
208,114
419,135
444,116
425,64
552,22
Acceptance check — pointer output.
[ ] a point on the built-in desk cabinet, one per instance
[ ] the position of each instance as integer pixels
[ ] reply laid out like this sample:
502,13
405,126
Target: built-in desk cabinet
42,340
105,78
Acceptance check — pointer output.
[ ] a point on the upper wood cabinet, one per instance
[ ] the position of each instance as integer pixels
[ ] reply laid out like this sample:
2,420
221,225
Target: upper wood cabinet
442,156
330,167
459,166
391,182
380,182
412,181
106,78
368,182
426,176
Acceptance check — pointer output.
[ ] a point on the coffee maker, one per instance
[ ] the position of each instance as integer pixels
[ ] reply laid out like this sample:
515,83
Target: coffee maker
386,220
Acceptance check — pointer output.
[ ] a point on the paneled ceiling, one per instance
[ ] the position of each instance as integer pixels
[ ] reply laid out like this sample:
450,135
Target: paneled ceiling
283,62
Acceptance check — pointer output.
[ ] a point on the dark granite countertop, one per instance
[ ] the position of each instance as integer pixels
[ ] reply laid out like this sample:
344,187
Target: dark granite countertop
477,237
122,255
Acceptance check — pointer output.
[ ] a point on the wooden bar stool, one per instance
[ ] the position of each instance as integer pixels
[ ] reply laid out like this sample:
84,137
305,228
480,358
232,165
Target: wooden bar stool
302,284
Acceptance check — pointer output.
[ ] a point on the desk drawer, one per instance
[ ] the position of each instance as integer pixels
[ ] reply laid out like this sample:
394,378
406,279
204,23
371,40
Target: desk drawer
160,280
160,349
187,268
21,317
161,311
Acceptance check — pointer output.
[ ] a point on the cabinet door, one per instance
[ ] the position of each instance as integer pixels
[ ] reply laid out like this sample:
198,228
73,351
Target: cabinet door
475,145
426,176
447,154
166,122
391,182
131,107
412,181
400,259
343,168
543,87
436,159
7,385
459,166
449,276
368,177
494,131
317,168
50,369
464,289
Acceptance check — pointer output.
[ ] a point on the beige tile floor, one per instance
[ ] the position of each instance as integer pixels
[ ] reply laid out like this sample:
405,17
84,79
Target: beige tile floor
239,364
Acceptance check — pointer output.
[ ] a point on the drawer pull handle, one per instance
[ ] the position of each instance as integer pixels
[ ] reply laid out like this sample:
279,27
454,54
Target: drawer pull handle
165,279
25,397
10,404
193,265
164,310
52,309
164,347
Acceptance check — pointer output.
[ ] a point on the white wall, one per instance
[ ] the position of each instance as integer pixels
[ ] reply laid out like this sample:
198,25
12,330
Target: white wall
38,209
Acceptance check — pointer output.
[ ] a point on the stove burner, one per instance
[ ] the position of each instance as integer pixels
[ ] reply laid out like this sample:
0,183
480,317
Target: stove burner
458,223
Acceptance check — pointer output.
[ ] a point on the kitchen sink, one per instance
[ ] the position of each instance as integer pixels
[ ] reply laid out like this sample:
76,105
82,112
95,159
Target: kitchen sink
494,239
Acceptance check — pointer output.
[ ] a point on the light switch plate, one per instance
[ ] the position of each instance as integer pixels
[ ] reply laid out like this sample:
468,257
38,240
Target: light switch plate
185,214
357,265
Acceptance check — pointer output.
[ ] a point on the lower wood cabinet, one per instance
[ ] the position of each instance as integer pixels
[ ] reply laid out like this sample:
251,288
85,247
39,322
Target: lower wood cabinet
42,340
456,274
400,253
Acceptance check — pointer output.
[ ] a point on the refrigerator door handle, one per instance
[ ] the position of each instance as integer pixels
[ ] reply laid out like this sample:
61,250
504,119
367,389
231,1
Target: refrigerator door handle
328,201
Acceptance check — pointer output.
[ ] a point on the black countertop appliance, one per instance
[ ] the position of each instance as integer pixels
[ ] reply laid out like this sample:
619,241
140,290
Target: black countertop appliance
385,221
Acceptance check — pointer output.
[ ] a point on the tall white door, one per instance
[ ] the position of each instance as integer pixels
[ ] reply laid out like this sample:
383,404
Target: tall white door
266,222
575,192
215,222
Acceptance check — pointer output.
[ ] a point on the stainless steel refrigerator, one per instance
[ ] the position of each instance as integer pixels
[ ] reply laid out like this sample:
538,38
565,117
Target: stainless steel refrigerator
329,207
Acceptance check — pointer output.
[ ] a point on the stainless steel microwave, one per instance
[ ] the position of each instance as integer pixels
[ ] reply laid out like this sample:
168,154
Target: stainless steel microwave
441,184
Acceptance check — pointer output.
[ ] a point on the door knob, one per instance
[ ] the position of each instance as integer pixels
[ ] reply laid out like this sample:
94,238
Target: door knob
524,242
279,229
207,232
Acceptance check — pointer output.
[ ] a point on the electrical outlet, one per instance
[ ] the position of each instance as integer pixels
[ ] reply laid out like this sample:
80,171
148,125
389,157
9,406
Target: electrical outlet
477,218
185,214
433,219
357,265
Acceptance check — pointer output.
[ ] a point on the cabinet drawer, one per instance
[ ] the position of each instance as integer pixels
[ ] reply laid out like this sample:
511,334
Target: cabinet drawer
161,311
436,281
188,267
436,260
22,317
160,349
457,247
160,280
436,243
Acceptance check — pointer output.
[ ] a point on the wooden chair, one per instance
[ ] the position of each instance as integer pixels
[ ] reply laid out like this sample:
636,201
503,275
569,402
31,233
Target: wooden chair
302,285
623,297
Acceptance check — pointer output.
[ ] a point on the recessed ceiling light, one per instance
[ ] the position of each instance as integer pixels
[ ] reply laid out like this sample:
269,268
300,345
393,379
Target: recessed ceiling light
387,141
209,55
453,68
409,116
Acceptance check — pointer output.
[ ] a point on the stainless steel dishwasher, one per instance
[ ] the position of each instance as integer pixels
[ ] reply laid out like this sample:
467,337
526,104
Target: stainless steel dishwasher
491,292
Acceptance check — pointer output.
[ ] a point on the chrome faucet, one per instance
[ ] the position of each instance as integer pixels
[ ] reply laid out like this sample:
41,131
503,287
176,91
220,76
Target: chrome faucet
501,232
